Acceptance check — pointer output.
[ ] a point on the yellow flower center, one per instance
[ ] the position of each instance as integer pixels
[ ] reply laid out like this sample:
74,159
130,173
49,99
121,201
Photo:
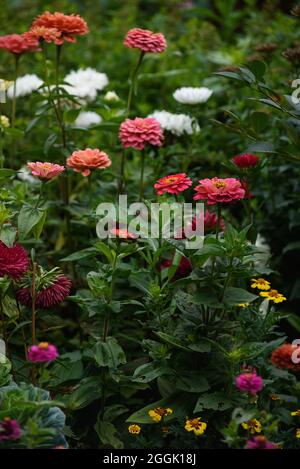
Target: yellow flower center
219,184
43,345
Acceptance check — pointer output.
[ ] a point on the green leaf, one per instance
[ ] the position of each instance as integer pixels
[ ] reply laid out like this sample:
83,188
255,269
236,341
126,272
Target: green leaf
258,68
148,372
173,341
213,401
6,173
88,390
260,121
234,296
77,256
49,143
28,218
104,249
107,434
38,228
109,353
264,147
8,235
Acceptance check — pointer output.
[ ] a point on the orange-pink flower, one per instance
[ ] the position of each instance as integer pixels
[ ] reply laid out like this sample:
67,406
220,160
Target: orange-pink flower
46,34
67,26
86,161
136,133
18,43
45,170
216,190
145,40
173,184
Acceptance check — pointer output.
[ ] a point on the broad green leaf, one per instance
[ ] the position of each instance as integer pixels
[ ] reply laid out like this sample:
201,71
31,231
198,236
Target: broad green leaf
234,296
109,353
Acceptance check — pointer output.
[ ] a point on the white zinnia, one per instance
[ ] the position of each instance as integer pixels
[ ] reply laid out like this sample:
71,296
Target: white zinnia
177,124
85,83
190,95
86,119
111,96
25,85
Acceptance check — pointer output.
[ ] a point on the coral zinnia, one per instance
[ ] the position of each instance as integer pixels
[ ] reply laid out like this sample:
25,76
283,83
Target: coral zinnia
145,40
86,161
287,356
46,34
9,429
14,261
18,43
216,190
246,160
43,352
249,382
45,170
136,133
173,184
68,26
51,289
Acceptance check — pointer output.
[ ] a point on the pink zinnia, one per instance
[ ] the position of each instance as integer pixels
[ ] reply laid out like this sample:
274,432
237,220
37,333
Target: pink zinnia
88,160
246,160
216,190
136,133
145,40
43,352
41,33
45,170
67,26
14,261
249,382
260,442
18,43
173,184
9,429
210,221
51,295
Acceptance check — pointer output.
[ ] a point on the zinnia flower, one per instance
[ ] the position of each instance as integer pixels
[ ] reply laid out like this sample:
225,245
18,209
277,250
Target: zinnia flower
260,442
260,283
210,221
159,413
176,124
134,429
9,429
18,43
195,425
4,121
87,119
183,270
273,295
190,95
136,133
45,171
14,261
41,33
216,190
249,382
88,160
85,83
122,233
253,426
287,356
295,413
246,160
51,289
24,85
173,184
68,26
43,352
145,40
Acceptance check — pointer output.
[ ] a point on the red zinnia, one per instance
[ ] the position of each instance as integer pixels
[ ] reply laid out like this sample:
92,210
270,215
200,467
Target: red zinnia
216,190
136,133
287,356
145,40
14,261
183,270
246,160
18,43
173,184
53,293
68,26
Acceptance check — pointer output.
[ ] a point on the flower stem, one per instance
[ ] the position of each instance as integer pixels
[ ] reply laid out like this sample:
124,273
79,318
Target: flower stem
142,175
33,308
14,100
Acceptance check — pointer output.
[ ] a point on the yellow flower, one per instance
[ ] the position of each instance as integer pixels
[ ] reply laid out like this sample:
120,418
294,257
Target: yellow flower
260,283
273,295
159,413
243,305
298,433
195,425
296,413
253,426
134,429
4,121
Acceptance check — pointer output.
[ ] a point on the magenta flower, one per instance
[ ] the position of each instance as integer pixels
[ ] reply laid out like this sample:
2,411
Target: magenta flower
145,40
14,261
43,352
249,382
260,442
9,429
216,190
136,133
52,292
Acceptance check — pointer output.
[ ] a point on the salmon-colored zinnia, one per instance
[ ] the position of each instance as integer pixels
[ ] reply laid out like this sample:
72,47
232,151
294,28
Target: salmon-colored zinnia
136,133
216,190
173,184
287,357
18,43
145,40
45,170
88,160
67,26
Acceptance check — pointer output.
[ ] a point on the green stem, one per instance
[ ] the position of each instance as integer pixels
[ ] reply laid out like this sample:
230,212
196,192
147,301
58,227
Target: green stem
219,210
142,175
14,100
33,308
